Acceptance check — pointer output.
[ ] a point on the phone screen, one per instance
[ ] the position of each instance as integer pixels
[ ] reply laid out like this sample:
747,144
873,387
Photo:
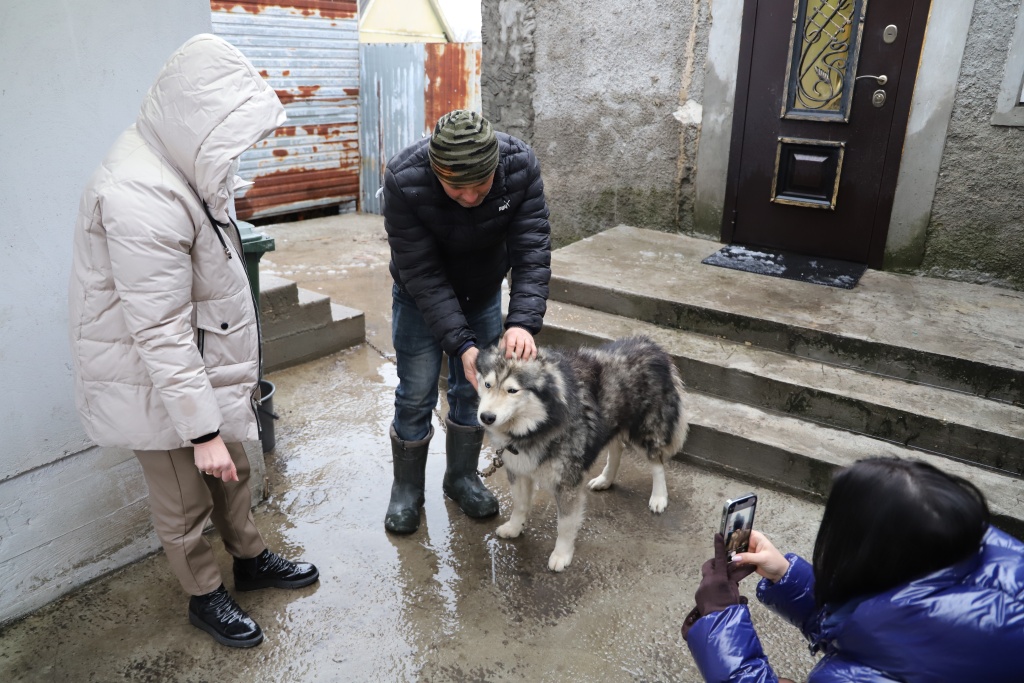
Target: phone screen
737,521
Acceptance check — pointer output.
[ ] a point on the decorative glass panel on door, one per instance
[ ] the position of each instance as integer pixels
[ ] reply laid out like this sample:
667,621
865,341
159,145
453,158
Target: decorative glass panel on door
824,45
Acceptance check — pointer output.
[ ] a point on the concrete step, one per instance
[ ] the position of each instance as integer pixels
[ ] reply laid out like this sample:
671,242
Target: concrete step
276,295
299,325
311,310
801,457
789,381
346,327
958,336
918,417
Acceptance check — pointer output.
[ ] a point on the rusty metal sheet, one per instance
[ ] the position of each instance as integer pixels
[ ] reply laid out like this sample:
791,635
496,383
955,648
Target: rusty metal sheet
405,88
453,80
327,9
308,50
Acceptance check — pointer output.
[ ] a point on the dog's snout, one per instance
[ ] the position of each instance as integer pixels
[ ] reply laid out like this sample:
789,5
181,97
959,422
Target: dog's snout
488,418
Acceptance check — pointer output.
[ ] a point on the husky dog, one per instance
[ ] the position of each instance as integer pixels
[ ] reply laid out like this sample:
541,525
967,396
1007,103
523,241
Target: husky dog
554,415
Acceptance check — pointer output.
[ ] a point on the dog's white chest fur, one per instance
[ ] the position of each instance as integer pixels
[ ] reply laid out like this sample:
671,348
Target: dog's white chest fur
526,463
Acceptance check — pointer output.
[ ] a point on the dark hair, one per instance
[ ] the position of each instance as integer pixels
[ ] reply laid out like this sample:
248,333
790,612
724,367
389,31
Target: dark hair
888,521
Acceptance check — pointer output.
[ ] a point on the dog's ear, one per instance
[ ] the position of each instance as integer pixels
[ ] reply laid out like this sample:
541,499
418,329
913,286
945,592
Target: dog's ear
548,355
487,357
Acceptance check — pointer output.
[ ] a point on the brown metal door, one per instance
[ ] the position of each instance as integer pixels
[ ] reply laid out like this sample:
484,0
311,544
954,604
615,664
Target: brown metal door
822,101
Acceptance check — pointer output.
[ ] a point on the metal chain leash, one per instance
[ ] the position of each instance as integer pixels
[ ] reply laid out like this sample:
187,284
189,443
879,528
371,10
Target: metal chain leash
496,464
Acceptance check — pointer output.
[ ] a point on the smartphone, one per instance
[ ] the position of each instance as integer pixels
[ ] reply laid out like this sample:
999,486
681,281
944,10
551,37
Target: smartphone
737,521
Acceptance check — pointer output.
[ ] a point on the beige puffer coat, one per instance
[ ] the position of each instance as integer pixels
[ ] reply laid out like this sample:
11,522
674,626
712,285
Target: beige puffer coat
164,335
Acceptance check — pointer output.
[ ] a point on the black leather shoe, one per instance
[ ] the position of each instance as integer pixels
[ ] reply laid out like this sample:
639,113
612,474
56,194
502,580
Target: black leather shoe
218,614
270,570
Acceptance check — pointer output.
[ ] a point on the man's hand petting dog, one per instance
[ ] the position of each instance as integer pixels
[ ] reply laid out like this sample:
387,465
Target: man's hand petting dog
518,343
515,343
469,365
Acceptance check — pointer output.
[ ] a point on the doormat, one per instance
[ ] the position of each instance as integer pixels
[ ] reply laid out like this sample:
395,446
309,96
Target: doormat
811,269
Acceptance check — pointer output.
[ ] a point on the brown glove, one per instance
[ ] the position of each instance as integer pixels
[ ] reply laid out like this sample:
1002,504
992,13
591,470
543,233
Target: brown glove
719,586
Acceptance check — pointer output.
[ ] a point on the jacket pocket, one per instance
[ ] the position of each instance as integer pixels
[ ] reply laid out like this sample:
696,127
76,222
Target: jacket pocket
226,330
224,316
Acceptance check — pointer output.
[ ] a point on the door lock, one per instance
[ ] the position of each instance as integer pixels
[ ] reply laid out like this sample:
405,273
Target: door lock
889,34
881,80
878,98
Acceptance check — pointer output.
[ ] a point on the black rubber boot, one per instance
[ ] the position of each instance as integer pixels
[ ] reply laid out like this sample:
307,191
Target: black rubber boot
270,570
218,614
461,482
410,464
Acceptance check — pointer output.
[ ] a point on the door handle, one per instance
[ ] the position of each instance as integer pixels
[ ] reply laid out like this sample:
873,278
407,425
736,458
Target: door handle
881,80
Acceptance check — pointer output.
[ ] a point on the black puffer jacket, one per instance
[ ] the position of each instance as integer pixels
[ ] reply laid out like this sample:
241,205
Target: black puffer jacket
451,259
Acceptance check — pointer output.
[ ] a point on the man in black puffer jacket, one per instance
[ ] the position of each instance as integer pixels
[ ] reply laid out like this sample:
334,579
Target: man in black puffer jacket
461,209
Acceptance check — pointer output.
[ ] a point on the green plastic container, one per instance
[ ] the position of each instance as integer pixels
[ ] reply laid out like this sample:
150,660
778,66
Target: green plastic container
254,245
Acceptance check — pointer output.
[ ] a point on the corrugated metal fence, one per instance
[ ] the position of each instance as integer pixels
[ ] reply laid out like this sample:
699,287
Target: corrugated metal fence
404,89
308,50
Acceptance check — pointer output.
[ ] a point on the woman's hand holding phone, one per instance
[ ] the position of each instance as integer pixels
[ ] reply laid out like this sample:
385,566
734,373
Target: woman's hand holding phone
767,561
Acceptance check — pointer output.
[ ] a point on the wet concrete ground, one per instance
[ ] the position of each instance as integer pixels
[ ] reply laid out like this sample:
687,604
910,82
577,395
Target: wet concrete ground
451,602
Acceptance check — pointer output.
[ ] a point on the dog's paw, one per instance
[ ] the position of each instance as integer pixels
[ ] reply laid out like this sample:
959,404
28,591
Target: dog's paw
509,530
599,483
657,504
559,561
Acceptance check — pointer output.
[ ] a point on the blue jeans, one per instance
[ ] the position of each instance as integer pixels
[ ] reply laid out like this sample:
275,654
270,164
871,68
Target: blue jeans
419,366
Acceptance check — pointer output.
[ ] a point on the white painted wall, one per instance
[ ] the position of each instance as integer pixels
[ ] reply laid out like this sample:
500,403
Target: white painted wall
717,112
949,23
73,77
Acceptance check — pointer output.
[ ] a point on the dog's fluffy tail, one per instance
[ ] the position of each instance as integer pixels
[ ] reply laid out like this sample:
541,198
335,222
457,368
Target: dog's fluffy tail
682,425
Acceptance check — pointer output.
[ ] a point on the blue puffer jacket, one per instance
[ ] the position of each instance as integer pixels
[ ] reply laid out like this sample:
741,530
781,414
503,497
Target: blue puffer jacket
961,623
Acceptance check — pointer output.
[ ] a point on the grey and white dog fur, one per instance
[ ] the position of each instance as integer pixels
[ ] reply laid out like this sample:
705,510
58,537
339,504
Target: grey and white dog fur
554,415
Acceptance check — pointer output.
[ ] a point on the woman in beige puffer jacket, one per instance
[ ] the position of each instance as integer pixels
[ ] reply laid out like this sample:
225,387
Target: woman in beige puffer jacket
163,327
164,331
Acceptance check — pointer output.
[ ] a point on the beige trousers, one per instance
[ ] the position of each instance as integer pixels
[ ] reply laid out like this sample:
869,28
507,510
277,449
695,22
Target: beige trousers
182,499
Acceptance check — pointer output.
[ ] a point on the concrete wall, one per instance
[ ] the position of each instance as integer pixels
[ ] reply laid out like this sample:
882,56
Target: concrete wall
977,219
507,83
605,106
74,77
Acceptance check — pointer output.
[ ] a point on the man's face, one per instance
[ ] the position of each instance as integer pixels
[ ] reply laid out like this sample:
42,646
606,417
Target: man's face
468,196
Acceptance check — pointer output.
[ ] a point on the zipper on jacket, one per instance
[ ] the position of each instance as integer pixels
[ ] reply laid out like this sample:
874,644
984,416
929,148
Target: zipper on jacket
254,405
256,309
201,342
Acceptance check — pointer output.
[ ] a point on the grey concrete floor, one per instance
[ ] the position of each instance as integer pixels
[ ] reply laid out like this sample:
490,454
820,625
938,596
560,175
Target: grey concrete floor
451,602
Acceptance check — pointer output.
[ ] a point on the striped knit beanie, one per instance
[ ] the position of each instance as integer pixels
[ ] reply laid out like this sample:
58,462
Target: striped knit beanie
463,149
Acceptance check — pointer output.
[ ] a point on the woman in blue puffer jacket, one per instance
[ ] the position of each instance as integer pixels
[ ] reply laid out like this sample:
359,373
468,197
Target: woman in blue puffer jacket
909,583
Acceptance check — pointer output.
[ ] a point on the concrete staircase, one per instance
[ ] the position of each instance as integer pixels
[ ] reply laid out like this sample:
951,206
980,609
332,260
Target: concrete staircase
789,381
299,325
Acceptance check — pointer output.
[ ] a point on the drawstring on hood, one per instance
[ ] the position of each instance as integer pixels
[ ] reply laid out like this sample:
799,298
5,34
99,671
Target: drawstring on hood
218,229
